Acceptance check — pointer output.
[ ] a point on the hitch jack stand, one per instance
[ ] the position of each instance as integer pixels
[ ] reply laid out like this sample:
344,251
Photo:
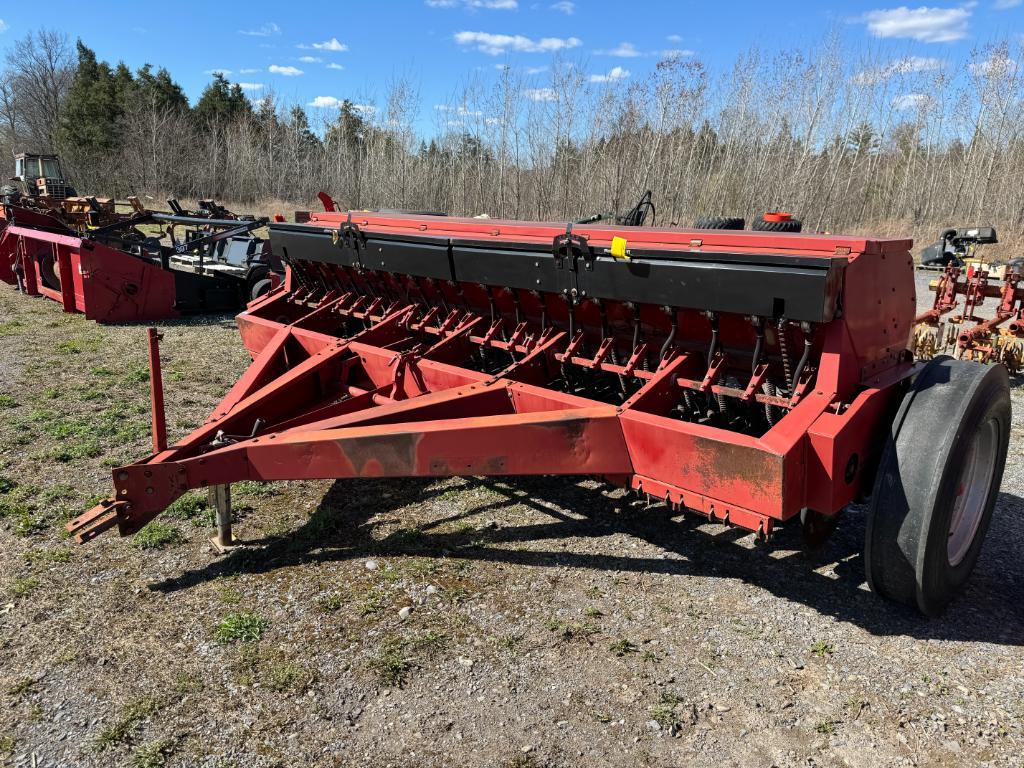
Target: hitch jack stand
220,500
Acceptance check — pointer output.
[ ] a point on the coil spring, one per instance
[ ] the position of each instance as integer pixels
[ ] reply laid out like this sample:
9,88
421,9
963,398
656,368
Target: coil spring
786,368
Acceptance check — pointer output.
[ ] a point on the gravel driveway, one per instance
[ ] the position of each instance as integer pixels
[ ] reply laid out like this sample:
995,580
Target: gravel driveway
541,622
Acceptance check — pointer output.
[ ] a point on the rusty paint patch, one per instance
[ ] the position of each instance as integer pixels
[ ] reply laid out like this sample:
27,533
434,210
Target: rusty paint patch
381,455
724,464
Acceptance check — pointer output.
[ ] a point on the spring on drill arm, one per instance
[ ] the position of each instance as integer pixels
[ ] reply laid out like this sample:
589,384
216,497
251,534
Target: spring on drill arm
786,370
712,349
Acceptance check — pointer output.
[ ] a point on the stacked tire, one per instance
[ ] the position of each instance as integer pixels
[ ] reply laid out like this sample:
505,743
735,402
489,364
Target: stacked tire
776,221
771,221
719,222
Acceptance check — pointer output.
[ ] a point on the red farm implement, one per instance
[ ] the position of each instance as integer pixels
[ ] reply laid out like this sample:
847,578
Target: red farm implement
989,337
751,377
114,273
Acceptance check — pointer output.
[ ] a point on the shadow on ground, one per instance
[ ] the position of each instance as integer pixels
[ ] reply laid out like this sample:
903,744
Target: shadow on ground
343,527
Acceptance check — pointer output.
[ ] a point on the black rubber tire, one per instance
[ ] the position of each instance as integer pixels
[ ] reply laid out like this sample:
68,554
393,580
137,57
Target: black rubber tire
259,288
48,270
790,225
719,222
949,406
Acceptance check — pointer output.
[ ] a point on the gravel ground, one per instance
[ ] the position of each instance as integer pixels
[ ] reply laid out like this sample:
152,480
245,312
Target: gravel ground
543,622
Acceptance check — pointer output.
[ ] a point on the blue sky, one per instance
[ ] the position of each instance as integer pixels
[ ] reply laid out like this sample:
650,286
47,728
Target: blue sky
318,53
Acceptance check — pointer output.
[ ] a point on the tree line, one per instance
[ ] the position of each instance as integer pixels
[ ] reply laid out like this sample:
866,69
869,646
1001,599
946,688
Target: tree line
844,140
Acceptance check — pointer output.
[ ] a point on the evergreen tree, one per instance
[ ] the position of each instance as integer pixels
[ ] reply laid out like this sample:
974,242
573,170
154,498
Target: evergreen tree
159,91
89,122
221,103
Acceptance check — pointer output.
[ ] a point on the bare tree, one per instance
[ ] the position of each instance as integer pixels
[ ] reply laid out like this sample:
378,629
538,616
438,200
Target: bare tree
40,67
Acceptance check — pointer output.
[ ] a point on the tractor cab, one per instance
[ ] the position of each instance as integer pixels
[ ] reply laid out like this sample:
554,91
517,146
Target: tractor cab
41,176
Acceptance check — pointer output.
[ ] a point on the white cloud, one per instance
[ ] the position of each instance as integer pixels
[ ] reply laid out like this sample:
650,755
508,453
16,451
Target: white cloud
997,65
331,102
615,73
541,94
286,71
674,38
564,6
249,70
251,86
677,53
910,101
325,102
929,25
221,72
310,59
334,44
490,5
999,5
904,66
263,30
332,65
622,50
497,44
535,70
3,26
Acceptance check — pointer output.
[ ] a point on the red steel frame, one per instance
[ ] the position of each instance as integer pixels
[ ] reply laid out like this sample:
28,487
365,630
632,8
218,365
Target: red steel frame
103,283
392,400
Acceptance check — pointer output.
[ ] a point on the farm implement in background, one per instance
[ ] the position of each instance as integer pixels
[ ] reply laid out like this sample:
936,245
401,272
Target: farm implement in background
751,377
110,270
997,337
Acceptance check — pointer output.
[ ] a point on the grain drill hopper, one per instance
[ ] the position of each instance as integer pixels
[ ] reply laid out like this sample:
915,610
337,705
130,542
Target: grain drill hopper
750,377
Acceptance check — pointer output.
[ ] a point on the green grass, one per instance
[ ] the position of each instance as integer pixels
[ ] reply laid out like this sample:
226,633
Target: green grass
6,745
391,664
157,535
59,492
240,627
394,660
509,642
192,508
24,585
826,727
372,604
124,727
154,754
285,676
6,401
332,603
27,521
664,712
78,346
622,647
10,327
821,649
577,631
21,687
254,489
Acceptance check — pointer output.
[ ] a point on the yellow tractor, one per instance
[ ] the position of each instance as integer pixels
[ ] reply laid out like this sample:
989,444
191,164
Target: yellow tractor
41,176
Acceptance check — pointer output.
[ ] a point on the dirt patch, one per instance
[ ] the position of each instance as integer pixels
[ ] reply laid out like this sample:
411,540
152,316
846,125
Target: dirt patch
546,622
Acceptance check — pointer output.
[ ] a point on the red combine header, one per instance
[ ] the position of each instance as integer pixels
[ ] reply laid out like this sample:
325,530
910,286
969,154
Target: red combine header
92,260
751,377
